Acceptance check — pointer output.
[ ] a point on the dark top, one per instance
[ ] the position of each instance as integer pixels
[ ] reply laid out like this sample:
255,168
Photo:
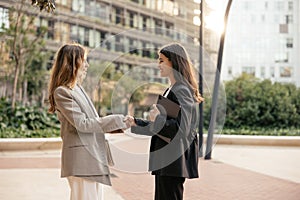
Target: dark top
179,157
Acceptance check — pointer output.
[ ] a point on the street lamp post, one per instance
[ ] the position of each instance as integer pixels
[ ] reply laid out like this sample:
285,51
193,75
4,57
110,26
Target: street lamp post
201,121
216,87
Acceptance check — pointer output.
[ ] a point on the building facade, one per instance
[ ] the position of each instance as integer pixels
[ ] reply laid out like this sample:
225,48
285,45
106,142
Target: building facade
263,39
126,33
112,29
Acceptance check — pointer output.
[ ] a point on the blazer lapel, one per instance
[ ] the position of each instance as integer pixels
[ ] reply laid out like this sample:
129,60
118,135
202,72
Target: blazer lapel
85,101
89,100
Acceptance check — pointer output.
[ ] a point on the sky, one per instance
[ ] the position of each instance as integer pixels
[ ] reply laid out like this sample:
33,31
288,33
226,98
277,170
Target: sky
215,20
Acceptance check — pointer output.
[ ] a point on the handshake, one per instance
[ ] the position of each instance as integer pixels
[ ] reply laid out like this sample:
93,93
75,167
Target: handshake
130,121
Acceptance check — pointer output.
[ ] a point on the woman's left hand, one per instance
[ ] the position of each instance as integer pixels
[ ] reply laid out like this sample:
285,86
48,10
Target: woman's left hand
153,113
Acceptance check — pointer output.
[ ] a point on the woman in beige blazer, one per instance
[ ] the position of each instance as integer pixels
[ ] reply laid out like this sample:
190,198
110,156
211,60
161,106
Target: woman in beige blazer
83,160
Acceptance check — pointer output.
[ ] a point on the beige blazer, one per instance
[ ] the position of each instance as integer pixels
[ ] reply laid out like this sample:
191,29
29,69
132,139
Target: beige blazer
82,133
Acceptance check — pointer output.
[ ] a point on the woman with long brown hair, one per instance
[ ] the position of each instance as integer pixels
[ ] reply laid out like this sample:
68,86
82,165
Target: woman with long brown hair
174,143
83,159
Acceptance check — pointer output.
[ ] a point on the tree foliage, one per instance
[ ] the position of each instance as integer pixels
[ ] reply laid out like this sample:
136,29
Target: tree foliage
24,44
48,5
261,104
109,86
25,117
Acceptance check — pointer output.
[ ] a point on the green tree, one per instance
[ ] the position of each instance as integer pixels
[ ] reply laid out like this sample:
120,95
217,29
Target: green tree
24,44
102,80
255,103
36,76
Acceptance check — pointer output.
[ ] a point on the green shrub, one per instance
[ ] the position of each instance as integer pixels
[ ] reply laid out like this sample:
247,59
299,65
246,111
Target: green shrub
38,133
26,121
258,104
262,131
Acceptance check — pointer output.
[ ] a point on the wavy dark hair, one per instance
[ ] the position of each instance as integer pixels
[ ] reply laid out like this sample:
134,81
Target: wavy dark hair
182,67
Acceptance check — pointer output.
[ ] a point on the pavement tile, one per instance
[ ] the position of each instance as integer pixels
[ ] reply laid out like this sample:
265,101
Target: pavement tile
218,181
29,162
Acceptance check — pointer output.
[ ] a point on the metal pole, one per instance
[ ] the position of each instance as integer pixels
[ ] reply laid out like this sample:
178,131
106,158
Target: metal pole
200,127
216,88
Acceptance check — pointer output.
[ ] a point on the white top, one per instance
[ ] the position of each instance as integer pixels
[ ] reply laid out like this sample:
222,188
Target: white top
167,92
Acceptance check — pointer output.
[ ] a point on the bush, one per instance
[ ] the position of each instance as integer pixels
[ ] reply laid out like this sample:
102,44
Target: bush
38,133
262,131
26,121
259,104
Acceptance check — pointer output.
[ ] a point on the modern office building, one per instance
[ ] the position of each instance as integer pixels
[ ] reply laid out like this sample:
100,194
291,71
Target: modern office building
126,33
263,39
114,28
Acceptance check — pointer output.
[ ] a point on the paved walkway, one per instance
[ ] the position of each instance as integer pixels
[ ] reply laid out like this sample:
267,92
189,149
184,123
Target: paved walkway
234,173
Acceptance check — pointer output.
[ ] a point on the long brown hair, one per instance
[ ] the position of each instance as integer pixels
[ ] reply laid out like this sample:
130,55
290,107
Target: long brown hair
69,58
182,67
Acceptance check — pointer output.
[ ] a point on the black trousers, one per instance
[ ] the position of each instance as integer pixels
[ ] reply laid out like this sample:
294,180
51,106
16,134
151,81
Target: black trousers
168,188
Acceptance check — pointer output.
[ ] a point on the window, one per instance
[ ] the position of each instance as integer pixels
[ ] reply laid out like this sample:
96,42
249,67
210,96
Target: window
94,38
49,24
262,72
78,5
248,70
119,43
102,12
78,35
63,33
169,29
158,27
289,42
279,5
144,22
62,2
266,5
103,36
285,71
74,33
281,57
120,16
272,72
290,6
132,46
229,70
50,29
145,51
150,4
86,37
4,21
289,19
131,20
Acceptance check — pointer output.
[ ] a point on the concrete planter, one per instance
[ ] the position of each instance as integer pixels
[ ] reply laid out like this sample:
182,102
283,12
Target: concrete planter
14,144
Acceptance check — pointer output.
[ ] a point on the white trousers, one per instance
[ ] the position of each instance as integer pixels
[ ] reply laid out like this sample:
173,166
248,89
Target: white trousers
83,189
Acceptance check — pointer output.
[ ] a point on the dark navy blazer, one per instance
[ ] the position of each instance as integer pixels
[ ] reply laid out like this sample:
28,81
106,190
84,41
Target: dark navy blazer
179,157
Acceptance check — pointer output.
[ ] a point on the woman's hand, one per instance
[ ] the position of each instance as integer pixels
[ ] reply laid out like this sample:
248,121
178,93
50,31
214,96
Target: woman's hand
129,120
153,113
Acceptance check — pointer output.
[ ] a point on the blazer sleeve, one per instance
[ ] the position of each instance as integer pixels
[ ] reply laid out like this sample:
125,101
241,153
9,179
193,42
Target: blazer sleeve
143,127
180,125
69,108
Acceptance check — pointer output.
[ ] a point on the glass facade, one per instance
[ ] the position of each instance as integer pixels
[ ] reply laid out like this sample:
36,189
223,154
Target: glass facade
263,33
